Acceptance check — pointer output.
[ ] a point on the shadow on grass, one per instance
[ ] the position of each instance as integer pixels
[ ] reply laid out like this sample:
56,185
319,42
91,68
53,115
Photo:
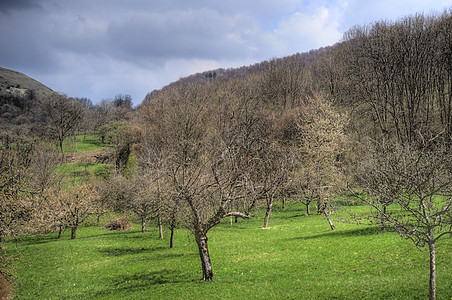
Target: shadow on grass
128,234
129,251
28,240
143,280
343,233
165,252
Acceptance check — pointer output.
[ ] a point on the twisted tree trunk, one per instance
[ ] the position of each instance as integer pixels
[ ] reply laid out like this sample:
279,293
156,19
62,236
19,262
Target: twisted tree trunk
201,240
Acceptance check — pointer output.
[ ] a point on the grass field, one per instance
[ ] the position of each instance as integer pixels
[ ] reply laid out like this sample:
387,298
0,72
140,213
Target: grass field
297,257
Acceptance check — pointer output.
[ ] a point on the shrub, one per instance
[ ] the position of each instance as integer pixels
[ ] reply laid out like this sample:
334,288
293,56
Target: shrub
119,223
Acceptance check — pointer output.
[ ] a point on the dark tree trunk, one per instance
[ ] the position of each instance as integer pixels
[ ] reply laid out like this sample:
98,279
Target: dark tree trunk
327,215
236,219
308,211
98,220
61,148
172,236
73,232
268,214
201,240
284,203
431,246
60,232
160,227
143,225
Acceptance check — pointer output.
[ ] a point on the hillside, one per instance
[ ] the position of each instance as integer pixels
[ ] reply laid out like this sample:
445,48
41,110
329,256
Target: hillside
19,94
13,83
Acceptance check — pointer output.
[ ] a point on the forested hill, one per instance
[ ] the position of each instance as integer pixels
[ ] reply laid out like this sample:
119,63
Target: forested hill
288,62
393,77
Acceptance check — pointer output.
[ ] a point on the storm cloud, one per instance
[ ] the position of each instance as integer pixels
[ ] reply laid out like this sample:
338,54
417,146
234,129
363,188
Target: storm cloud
97,49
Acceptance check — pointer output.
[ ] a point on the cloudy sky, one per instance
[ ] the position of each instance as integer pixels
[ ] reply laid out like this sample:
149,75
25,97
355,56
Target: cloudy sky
100,48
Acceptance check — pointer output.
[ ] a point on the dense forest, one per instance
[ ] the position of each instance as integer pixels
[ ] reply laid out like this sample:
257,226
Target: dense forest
369,117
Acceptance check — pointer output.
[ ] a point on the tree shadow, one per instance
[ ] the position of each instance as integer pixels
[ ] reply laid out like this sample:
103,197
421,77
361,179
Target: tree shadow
297,216
370,230
165,252
118,234
28,240
128,251
143,280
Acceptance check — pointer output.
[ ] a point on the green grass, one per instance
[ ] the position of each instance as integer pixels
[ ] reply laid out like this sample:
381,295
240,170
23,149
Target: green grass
297,257
75,171
82,143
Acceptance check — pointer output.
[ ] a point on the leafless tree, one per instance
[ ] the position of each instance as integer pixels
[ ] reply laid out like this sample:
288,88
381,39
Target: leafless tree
61,117
411,189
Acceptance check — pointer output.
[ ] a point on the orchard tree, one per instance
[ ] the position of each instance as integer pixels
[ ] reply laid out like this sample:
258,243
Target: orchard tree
210,149
411,189
61,117
77,203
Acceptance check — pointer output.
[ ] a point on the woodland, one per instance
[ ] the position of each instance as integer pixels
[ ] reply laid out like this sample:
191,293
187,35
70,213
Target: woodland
367,120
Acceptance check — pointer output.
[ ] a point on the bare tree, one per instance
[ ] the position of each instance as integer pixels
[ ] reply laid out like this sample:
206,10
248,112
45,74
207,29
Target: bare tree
211,148
76,203
411,189
62,117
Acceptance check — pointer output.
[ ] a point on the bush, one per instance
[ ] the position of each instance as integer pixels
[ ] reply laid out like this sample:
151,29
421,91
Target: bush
119,223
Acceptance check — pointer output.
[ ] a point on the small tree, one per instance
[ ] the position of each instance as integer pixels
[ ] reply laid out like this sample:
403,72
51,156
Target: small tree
77,204
61,117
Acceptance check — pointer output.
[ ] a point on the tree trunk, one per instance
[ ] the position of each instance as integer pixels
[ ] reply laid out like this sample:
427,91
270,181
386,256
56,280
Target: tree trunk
171,245
1,242
61,148
160,227
284,203
98,219
143,225
73,232
236,219
431,246
329,220
308,211
268,213
60,232
201,240
383,217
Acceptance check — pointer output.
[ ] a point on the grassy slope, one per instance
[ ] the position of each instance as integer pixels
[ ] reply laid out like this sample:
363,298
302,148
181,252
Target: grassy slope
81,156
298,257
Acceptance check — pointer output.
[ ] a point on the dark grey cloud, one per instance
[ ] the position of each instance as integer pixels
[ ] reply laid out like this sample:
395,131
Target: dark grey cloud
189,34
9,5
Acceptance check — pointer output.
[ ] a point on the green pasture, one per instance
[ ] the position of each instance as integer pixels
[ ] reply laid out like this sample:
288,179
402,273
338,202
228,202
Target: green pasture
81,143
297,257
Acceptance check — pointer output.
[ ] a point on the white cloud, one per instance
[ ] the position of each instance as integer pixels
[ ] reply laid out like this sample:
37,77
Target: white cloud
301,32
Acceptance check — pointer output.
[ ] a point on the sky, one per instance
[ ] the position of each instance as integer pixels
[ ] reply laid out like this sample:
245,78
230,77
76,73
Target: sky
100,48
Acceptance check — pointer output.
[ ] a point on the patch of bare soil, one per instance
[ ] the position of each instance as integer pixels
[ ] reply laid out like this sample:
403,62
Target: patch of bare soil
6,292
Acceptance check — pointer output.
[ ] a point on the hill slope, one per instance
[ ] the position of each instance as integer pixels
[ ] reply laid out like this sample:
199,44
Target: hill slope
16,84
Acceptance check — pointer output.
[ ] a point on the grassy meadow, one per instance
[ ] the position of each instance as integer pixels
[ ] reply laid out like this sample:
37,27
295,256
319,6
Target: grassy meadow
297,257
